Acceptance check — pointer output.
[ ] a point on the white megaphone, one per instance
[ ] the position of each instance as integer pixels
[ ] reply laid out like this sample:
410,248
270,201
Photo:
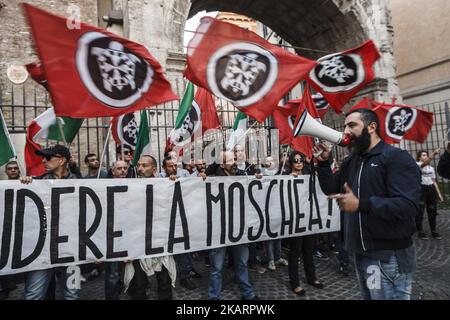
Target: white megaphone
307,126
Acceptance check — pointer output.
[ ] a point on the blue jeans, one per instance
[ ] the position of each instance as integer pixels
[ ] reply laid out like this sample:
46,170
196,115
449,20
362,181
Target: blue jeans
37,283
382,280
240,259
273,248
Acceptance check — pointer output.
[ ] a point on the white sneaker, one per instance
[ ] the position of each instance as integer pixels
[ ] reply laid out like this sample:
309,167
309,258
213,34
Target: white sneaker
281,262
271,266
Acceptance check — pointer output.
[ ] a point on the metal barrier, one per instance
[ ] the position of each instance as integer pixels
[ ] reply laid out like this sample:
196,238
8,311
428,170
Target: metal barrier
20,104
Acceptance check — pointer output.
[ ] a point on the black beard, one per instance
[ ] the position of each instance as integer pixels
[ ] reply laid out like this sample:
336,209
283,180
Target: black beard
360,144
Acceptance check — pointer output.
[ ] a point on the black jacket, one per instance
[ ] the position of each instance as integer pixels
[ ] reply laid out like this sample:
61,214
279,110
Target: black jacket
387,182
443,167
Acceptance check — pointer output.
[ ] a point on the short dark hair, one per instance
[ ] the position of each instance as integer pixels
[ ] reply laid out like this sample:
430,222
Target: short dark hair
12,162
367,116
419,153
165,161
86,159
125,146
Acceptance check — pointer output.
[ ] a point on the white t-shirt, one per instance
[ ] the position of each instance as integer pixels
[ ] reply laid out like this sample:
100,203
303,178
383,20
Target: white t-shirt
427,174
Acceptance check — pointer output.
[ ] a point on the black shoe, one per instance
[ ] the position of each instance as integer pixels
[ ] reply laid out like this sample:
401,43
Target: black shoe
344,270
436,236
319,255
194,274
422,235
188,284
317,284
300,291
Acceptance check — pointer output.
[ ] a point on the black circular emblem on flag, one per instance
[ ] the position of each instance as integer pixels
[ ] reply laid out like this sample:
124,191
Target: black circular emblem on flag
242,73
320,102
128,130
190,124
338,72
112,73
399,120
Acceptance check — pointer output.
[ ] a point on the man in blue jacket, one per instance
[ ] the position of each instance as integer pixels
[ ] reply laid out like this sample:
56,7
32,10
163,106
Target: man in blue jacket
378,191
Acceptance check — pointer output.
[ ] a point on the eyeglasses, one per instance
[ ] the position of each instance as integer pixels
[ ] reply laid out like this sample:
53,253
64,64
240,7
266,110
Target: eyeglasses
298,160
126,152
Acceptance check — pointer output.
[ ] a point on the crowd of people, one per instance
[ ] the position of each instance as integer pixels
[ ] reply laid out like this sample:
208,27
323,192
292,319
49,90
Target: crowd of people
381,191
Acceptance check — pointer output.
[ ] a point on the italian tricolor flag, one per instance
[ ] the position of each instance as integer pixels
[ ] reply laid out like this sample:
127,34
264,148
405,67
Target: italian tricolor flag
7,151
143,144
239,129
43,128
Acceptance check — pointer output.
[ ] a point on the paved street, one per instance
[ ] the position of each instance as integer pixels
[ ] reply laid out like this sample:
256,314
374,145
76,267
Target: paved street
431,280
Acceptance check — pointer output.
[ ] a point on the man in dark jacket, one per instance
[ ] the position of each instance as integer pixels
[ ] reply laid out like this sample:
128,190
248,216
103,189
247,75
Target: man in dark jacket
443,167
39,283
378,190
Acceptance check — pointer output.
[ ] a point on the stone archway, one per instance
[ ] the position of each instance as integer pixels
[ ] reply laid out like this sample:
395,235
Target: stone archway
328,25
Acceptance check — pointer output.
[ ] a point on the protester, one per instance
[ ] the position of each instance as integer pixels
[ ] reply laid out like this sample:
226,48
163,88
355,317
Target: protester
93,164
303,244
125,155
137,271
7,282
378,190
239,252
113,284
443,167
38,282
184,260
429,196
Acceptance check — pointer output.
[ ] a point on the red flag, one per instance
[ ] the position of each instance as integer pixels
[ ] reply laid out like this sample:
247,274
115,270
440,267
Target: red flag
124,130
399,121
284,118
205,101
339,76
239,66
37,130
94,73
321,105
36,72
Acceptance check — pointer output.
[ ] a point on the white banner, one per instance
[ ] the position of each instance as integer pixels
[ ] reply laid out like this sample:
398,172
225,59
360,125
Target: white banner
66,222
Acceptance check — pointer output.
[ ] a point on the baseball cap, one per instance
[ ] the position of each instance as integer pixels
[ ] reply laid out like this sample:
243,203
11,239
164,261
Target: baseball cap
55,150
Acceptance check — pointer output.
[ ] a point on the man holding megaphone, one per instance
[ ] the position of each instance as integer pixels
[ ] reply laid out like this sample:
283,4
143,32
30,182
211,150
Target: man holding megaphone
378,191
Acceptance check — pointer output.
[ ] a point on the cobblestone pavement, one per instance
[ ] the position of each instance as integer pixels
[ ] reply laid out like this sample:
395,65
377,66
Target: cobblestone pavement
431,280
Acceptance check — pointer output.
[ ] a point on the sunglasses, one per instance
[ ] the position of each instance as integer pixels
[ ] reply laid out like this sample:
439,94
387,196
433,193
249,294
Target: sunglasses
48,157
298,160
126,152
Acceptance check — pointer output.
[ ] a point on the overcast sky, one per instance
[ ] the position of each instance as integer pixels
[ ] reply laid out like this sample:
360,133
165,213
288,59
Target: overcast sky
192,24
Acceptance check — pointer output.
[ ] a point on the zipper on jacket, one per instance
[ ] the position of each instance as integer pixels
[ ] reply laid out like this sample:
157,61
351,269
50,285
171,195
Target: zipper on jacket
359,212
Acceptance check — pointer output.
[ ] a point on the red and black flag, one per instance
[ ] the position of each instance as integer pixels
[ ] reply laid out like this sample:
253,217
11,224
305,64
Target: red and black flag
91,72
284,118
399,121
238,65
36,72
124,129
339,76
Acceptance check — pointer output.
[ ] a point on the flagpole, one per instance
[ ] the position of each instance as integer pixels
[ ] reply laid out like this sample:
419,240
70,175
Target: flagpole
245,133
104,150
61,132
285,158
22,173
